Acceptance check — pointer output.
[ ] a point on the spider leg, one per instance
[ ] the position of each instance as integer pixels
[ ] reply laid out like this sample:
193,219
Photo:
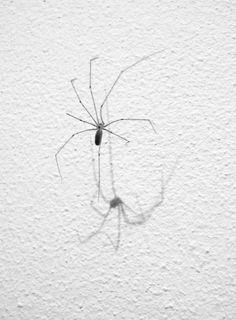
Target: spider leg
116,247
103,232
98,230
112,242
99,170
64,144
158,203
139,221
144,216
164,183
110,154
123,71
111,167
95,175
71,115
96,209
115,134
128,119
90,86
77,94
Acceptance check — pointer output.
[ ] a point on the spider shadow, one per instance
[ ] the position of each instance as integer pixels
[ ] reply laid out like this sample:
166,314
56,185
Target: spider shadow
123,210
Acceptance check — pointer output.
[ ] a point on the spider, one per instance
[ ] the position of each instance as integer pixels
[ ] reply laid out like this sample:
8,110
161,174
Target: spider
123,210
97,123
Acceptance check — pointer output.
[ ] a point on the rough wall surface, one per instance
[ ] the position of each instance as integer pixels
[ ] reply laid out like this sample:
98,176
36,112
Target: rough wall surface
181,263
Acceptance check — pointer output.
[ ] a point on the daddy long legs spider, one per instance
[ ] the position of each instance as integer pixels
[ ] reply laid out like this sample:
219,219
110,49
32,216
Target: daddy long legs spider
96,122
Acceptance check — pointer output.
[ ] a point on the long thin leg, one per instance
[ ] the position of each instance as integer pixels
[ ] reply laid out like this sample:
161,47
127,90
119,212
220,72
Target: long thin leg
111,168
94,233
115,246
164,183
99,170
139,221
91,236
144,216
71,115
95,176
73,86
90,87
67,141
110,154
101,193
128,119
124,70
115,134
147,213
119,226
97,210
109,238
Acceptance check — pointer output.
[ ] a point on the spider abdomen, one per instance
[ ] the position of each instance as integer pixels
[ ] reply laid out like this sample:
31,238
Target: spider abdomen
98,137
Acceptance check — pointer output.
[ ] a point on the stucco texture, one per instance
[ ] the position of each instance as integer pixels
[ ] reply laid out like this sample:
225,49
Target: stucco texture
180,263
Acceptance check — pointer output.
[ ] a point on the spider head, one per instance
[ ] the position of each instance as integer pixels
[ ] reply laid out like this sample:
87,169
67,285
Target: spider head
100,126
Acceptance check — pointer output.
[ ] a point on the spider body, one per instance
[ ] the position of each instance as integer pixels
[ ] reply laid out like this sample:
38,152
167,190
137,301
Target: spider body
98,135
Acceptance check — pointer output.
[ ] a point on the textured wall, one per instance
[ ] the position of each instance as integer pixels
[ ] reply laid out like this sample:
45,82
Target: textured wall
180,264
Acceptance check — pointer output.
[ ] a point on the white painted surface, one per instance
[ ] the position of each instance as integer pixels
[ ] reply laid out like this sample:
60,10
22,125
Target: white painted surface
181,263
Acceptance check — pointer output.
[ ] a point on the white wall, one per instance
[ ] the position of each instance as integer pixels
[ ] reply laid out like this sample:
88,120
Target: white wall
181,263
